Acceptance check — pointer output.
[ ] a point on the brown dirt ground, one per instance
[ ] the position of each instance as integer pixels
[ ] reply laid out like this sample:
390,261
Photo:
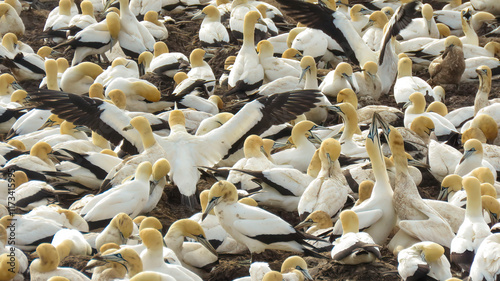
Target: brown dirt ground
183,37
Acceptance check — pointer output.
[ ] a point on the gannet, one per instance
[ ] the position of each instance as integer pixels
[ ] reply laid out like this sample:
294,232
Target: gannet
424,258
329,191
249,225
212,33
354,247
247,73
421,27
406,84
417,219
448,68
473,230
376,215
486,264
96,38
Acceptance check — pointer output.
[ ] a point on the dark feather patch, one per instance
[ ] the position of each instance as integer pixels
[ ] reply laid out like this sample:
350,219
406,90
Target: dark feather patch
278,109
80,110
319,17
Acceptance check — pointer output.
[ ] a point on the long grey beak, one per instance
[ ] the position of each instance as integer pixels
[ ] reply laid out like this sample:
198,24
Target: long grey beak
306,223
112,258
349,79
129,127
443,193
334,108
209,208
304,71
203,241
385,127
199,15
16,86
108,3
370,23
407,104
314,138
466,155
305,273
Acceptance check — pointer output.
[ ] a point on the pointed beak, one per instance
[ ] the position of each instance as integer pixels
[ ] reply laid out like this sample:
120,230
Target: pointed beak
108,3
368,25
126,128
278,145
264,151
208,56
366,11
349,79
467,154
112,258
304,71
334,108
261,21
199,15
373,133
203,241
306,274
16,86
385,127
443,193
408,103
210,206
314,138
304,224
142,69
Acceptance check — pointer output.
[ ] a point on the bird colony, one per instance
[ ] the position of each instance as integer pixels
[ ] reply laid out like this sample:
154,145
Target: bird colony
283,140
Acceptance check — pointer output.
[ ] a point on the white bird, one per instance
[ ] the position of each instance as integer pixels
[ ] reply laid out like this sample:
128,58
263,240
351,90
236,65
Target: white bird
444,129
417,219
7,249
406,84
154,26
194,256
134,38
421,27
329,191
274,68
300,156
472,159
193,148
119,68
251,225
71,242
337,80
56,22
80,21
200,69
473,230
247,73
354,247
46,266
255,160
78,79
95,39
129,198
374,30
152,257
10,21
376,214
212,33
424,258
486,264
